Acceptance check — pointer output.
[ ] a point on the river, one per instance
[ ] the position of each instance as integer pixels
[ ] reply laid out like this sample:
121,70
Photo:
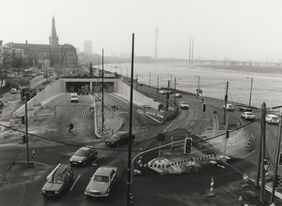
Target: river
267,86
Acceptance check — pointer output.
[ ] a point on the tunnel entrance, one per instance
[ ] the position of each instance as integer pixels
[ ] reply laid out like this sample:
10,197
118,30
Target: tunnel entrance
79,87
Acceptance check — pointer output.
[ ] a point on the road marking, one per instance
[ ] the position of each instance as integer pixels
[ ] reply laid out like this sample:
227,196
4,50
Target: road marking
220,166
196,115
75,182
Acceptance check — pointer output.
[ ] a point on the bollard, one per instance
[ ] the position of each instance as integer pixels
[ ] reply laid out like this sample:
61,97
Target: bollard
241,201
211,192
246,180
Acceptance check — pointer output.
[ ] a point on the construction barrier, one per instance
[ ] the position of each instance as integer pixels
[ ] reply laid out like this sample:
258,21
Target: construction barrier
181,161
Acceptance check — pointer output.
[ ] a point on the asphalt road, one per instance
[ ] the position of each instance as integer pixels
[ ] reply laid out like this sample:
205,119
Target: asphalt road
149,189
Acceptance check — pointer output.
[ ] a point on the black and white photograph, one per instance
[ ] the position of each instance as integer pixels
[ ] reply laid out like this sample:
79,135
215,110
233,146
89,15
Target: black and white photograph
140,103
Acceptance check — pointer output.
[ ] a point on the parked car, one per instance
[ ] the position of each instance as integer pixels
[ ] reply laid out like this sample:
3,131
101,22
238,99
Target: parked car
248,116
245,109
178,95
101,182
229,107
119,138
58,181
272,119
162,91
13,91
83,155
73,97
184,105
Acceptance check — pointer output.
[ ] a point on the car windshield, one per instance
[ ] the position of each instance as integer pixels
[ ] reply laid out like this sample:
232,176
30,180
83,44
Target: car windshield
275,118
100,178
81,153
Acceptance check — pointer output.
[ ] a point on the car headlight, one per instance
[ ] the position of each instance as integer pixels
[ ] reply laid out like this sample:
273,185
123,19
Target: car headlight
79,161
43,191
56,192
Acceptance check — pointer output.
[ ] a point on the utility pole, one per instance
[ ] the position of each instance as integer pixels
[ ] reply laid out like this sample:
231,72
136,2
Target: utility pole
174,90
167,98
192,53
277,160
198,86
251,90
158,82
129,166
102,109
189,58
225,103
26,131
262,189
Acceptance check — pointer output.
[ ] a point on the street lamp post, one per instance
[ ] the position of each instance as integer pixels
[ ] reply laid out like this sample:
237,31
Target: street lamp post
251,90
198,87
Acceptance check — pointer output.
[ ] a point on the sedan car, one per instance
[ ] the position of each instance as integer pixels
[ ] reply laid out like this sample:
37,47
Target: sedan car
248,116
119,138
272,119
178,95
83,155
184,105
229,107
101,182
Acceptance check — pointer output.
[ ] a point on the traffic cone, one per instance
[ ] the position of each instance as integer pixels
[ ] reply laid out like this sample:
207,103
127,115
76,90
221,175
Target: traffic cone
211,192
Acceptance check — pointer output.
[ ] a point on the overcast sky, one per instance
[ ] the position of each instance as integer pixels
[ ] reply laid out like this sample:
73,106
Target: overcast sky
236,29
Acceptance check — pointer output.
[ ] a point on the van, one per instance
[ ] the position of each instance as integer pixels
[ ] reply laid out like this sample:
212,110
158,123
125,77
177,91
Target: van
58,181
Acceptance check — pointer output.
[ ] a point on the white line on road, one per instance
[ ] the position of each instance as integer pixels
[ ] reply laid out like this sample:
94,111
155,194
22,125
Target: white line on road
75,182
196,115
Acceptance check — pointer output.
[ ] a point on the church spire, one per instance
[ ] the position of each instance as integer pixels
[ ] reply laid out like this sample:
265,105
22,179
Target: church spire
53,39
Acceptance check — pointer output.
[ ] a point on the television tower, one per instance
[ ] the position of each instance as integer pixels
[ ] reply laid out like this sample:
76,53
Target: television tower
156,42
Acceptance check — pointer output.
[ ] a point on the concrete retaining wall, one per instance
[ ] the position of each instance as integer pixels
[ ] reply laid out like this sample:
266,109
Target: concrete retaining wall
48,93
138,98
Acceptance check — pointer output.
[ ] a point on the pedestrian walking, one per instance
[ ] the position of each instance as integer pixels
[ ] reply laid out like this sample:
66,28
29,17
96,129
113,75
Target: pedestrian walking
70,127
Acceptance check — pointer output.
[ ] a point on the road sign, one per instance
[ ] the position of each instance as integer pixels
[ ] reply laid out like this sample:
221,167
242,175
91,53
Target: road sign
187,145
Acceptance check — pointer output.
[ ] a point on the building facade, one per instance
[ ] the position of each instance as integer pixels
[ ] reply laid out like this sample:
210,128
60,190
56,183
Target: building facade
87,47
52,54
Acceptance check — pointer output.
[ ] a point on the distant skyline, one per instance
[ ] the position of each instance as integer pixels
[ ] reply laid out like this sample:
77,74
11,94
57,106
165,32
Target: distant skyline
233,29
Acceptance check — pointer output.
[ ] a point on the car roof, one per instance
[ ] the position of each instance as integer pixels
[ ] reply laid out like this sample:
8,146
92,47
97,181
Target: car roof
117,135
105,170
248,112
271,115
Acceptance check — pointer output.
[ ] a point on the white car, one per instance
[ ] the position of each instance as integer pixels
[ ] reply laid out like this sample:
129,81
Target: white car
101,182
162,91
272,119
73,97
178,95
229,107
248,116
184,105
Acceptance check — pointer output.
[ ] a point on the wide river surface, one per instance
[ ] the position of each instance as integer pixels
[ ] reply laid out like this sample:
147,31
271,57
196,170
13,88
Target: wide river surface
267,86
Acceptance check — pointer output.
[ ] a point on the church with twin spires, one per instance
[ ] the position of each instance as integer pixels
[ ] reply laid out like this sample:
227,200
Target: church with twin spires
53,55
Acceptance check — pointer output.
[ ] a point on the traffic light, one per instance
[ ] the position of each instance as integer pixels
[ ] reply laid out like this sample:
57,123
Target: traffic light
280,158
22,120
204,107
131,198
23,139
187,145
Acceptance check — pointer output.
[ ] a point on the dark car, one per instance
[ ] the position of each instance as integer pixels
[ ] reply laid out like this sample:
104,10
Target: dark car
83,156
119,138
58,181
245,109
